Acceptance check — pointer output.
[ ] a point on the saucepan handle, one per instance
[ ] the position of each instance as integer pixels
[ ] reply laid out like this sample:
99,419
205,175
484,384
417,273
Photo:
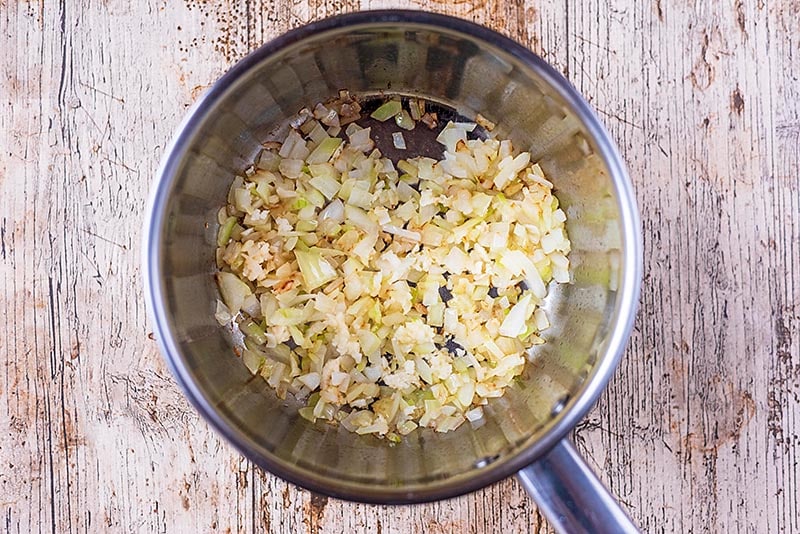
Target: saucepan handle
571,496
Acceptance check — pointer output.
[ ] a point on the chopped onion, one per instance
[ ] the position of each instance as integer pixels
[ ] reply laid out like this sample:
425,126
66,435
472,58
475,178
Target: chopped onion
474,415
404,120
451,135
514,323
430,120
317,134
416,107
360,198
387,110
222,314
251,306
315,269
360,140
233,291
325,179
252,361
242,200
253,331
400,232
269,161
292,140
291,168
310,380
485,123
333,212
324,152
359,218
399,141
225,231
389,296
509,167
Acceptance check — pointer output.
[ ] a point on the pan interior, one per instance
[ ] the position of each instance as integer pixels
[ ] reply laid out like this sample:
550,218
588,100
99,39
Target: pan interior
454,69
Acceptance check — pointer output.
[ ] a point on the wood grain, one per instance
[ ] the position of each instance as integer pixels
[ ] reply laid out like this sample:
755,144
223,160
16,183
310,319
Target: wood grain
698,432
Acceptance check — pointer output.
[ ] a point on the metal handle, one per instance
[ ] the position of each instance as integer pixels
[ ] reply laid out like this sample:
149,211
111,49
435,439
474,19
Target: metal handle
571,496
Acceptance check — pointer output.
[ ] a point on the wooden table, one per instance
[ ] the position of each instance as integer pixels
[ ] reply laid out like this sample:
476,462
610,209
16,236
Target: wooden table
699,430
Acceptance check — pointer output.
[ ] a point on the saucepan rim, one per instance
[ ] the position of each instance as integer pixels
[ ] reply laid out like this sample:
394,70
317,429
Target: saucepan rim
575,409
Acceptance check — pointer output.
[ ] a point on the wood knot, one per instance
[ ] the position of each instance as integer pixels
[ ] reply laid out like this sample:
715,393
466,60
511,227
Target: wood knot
737,101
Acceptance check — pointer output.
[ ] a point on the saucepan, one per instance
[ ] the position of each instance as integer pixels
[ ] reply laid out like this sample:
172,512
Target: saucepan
472,70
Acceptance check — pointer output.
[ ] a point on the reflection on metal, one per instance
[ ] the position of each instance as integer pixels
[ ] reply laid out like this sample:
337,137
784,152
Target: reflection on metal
473,70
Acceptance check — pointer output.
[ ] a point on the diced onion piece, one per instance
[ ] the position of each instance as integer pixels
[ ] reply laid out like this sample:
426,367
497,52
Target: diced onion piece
540,319
325,151
233,291
325,179
514,323
436,314
404,120
269,160
222,314
509,168
252,361
399,141
253,331
474,415
466,393
456,261
333,212
414,108
317,133
242,200
518,263
466,126
315,269
450,136
400,232
553,240
370,343
291,168
360,198
387,110
359,218
310,380
225,231
251,306
430,120
360,140
288,316
485,123
292,139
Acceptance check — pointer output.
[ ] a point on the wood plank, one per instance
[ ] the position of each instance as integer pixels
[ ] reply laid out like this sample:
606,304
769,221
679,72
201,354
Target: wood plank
698,431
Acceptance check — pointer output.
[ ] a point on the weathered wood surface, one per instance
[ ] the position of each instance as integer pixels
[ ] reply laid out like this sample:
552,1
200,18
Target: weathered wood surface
698,432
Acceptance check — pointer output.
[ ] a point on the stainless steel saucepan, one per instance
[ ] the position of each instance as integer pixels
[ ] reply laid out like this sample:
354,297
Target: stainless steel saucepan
473,70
